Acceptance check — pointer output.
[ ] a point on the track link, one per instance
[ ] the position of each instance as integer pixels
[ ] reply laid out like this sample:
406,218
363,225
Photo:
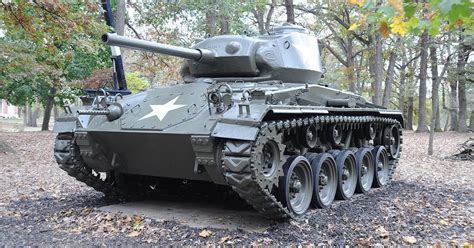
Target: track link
240,157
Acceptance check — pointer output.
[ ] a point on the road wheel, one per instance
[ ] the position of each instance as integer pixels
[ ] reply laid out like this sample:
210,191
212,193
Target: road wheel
392,140
296,185
324,179
365,168
382,167
347,175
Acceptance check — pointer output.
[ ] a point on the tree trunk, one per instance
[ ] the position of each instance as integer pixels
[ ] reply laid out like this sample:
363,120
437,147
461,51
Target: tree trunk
211,21
401,97
120,13
446,124
422,89
48,108
55,112
350,64
377,70
29,116
290,11
258,14
471,123
462,58
263,22
453,106
25,115
436,79
270,14
35,117
438,121
388,82
358,78
225,27
434,87
409,125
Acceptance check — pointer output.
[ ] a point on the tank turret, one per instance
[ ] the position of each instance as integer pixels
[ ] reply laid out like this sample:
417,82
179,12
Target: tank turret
288,53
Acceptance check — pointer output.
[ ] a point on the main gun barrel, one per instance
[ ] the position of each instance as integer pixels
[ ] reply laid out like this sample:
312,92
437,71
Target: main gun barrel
202,55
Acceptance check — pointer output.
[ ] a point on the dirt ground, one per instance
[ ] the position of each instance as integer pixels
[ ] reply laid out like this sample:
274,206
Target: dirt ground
430,202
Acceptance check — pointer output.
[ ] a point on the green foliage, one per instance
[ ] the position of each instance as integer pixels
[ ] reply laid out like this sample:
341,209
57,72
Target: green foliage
135,83
84,62
190,20
47,44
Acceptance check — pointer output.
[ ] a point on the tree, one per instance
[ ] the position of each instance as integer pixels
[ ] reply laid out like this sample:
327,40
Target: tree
263,17
290,11
56,30
435,98
390,75
422,88
120,15
136,83
463,55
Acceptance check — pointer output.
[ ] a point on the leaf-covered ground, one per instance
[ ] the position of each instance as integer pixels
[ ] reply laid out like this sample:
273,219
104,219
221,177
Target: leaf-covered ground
431,201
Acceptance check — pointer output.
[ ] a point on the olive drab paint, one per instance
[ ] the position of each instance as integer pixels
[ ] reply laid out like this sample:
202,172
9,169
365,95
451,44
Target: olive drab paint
241,97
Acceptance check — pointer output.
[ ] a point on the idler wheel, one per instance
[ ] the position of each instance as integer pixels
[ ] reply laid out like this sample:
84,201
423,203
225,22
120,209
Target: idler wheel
382,167
365,170
324,179
296,185
270,158
335,134
347,174
391,139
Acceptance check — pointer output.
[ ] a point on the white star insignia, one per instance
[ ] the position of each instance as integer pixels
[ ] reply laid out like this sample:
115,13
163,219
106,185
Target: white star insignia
161,111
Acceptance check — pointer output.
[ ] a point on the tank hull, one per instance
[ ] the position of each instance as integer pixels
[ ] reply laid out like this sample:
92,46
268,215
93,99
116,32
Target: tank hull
151,153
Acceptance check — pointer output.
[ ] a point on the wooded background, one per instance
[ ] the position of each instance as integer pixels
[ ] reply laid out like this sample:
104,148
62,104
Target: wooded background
410,55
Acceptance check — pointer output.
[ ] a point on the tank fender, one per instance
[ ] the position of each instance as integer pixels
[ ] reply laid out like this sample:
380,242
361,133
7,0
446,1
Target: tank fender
234,131
65,124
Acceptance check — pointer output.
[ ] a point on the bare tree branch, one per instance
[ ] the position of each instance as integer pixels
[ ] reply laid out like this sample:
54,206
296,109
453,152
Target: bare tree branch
338,57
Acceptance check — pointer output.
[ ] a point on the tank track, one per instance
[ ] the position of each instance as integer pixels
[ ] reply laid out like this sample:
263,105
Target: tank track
67,155
239,159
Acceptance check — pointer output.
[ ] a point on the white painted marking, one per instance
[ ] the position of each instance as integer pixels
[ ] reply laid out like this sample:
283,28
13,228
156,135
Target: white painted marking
161,111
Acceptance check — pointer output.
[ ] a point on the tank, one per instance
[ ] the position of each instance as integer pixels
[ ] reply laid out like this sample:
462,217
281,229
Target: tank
250,115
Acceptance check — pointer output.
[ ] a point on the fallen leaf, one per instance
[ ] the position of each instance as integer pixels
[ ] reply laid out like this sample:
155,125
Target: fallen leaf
134,234
443,222
409,239
362,242
205,233
382,232
225,239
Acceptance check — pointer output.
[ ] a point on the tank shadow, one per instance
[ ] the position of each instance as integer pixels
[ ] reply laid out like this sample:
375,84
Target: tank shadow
197,205
196,214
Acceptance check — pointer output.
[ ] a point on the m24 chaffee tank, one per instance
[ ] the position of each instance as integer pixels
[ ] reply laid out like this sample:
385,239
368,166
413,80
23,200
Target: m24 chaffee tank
250,114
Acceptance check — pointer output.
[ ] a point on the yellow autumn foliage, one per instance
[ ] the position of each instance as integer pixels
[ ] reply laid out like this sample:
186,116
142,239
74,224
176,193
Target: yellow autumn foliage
398,26
353,26
359,3
358,23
